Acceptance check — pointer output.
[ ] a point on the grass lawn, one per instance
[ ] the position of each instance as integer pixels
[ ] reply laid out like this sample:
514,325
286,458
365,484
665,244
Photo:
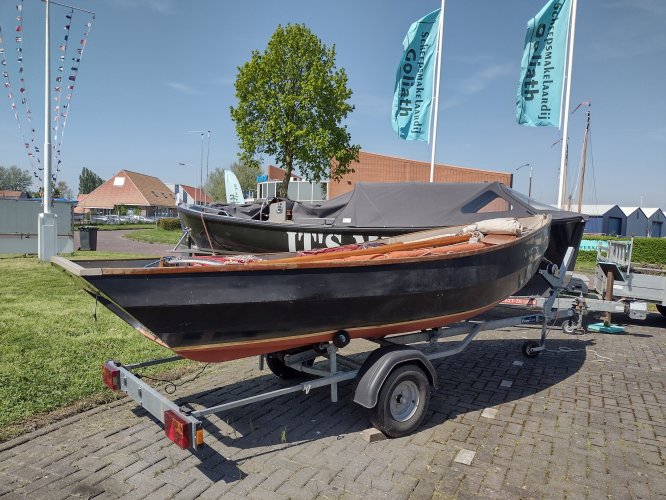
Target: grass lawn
51,349
114,227
155,235
585,267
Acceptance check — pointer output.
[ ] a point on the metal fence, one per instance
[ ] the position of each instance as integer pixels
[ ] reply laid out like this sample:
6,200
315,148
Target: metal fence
18,225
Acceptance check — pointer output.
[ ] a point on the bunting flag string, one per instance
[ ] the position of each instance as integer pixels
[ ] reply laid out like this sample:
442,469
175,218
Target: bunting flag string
58,89
62,109
7,84
69,56
22,90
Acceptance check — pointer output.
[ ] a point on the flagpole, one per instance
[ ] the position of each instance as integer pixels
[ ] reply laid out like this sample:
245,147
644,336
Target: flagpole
47,114
47,228
440,35
567,95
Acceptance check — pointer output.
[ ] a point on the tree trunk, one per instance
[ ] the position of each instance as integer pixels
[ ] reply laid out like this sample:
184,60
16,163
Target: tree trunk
283,189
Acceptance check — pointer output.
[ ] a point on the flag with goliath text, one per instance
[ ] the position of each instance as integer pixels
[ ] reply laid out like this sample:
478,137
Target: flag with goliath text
412,100
539,98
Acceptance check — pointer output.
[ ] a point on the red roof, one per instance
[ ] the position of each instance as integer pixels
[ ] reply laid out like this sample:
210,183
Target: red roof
12,195
130,188
197,194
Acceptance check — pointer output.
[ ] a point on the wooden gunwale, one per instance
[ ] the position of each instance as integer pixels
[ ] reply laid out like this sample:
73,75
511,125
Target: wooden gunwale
298,262
279,265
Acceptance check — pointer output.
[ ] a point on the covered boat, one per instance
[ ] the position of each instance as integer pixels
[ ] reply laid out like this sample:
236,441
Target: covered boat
223,308
370,211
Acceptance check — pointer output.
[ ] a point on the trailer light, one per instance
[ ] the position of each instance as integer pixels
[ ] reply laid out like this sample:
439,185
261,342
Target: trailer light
177,428
111,375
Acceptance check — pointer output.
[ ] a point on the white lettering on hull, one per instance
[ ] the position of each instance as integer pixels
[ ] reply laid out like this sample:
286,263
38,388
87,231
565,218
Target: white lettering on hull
297,241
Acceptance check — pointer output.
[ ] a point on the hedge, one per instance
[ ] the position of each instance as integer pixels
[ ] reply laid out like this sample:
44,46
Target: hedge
646,250
169,223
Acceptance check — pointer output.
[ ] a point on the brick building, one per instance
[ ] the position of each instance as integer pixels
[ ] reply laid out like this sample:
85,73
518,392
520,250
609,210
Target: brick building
373,167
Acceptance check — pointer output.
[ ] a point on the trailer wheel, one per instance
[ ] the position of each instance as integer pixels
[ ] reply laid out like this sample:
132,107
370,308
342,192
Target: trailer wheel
276,364
402,402
569,326
528,349
661,309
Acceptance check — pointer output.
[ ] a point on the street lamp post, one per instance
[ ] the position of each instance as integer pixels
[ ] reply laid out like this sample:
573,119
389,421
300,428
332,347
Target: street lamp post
529,191
201,161
195,189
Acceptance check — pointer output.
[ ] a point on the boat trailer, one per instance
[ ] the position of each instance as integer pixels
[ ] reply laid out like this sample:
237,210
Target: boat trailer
618,289
394,382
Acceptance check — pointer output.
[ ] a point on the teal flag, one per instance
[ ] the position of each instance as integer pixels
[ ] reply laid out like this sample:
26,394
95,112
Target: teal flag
539,98
412,101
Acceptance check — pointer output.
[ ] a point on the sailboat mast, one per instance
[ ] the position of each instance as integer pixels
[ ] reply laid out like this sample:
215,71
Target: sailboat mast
582,172
565,133
436,106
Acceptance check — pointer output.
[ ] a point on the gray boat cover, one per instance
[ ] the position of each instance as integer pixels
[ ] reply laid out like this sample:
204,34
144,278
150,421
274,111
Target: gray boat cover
423,205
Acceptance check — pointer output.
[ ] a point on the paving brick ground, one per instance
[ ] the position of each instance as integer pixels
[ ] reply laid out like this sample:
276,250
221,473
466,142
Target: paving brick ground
583,420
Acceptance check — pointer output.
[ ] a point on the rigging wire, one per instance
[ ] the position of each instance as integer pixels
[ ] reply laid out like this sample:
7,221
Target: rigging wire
575,188
594,179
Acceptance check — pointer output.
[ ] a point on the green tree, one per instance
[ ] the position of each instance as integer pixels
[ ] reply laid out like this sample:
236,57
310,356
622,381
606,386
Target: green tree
89,181
215,186
291,102
14,179
247,175
62,190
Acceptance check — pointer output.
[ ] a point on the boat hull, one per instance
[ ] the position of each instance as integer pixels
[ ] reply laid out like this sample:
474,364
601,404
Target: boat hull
217,315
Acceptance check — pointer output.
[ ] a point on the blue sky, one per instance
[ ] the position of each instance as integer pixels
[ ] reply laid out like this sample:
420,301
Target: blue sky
155,69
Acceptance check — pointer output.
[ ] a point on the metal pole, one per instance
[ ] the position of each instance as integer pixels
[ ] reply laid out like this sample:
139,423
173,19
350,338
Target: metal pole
201,167
440,35
565,134
529,189
47,114
207,157
582,169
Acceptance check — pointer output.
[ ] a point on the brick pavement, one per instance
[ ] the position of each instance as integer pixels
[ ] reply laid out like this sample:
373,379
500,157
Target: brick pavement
583,420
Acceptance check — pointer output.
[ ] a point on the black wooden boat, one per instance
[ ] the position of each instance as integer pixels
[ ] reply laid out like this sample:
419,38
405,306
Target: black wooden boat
370,211
222,308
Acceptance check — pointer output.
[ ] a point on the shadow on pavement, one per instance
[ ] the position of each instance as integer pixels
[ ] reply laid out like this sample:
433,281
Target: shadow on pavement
468,382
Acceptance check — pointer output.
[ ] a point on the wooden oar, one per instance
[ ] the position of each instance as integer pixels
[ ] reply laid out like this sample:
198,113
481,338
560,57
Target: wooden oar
441,241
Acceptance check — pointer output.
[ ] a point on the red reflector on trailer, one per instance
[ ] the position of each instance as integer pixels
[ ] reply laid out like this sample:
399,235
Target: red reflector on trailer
177,428
111,375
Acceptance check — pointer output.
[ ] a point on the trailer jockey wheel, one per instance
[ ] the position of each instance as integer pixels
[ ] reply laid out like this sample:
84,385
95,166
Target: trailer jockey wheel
528,349
276,364
569,326
402,402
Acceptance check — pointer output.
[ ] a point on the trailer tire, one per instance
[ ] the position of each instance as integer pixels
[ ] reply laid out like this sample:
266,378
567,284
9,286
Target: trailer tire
528,349
661,309
402,402
276,364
